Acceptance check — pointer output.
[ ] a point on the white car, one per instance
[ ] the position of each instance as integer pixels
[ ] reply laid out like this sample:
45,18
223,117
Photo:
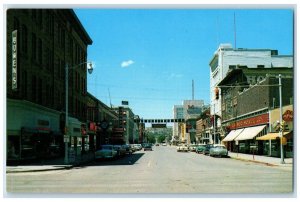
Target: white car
106,152
182,148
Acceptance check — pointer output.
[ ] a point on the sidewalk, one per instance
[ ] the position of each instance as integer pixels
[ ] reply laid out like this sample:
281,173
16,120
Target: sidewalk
50,164
272,161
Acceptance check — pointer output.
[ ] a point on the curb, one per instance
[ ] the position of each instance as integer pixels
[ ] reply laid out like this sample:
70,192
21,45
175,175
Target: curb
40,170
254,161
265,163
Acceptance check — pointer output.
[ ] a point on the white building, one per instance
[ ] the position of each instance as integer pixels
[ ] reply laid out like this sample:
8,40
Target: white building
227,58
190,109
177,114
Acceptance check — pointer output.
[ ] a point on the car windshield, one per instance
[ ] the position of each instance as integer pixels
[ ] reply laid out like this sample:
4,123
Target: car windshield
108,147
219,147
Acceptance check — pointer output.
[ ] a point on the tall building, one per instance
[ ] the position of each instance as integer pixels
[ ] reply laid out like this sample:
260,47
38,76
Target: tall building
40,43
226,59
190,110
178,113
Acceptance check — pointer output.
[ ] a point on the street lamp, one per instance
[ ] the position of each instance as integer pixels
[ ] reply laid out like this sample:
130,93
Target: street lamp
67,137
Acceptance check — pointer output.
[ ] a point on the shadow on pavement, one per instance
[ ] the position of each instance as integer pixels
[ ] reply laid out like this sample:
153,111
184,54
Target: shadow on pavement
126,160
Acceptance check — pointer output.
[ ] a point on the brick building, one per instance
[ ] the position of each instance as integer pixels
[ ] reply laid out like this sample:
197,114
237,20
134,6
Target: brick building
248,98
40,42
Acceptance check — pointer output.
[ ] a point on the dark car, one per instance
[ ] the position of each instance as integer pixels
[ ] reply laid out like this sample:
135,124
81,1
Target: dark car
207,148
200,149
148,147
128,149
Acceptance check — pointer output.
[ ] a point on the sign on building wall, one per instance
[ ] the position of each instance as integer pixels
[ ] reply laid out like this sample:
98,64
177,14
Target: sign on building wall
287,117
14,60
253,121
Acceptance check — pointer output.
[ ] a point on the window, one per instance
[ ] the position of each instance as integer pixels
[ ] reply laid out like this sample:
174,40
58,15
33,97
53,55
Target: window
16,23
33,46
40,18
33,14
25,84
40,52
33,87
24,39
71,48
234,100
40,91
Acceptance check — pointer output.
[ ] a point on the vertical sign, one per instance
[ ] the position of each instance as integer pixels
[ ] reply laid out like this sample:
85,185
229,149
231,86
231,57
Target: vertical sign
14,60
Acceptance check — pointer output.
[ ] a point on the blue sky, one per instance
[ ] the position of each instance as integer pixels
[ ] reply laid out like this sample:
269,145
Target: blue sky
149,57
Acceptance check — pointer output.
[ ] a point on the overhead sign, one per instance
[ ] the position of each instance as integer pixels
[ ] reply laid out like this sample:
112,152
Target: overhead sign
14,60
159,125
125,102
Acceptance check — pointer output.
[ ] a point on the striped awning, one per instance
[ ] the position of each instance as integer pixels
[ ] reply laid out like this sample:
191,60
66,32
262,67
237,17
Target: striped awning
250,132
232,135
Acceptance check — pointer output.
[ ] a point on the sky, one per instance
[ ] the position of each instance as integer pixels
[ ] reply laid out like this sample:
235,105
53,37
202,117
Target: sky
149,57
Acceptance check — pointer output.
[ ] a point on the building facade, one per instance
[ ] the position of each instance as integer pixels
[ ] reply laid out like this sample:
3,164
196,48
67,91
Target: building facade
178,113
227,58
40,43
247,108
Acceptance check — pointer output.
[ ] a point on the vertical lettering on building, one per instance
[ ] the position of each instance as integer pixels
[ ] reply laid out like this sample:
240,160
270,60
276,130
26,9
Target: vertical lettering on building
14,60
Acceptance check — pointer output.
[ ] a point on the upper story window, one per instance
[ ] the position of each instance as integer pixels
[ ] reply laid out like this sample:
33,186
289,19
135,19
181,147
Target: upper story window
214,64
24,39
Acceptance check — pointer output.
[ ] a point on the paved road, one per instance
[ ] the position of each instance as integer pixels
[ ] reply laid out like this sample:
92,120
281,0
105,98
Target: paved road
163,170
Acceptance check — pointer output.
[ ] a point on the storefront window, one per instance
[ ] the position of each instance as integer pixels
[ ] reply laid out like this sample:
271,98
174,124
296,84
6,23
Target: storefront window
28,147
13,147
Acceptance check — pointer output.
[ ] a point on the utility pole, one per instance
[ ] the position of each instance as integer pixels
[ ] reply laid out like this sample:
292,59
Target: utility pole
280,120
193,89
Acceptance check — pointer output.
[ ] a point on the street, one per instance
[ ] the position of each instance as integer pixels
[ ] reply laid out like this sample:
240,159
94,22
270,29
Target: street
161,171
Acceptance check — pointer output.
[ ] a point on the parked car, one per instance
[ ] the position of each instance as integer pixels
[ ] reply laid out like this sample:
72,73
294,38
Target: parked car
148,147
137,147
128,148
106,152
182,148
121,151
218,150
164,144
207,148
192,147
200,148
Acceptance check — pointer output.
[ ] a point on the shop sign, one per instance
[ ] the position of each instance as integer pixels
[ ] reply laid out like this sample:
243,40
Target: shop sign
14,60
288,116
253,121
92,126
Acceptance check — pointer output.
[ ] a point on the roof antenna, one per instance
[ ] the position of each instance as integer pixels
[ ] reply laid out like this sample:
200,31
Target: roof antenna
109,99
234,30
193,89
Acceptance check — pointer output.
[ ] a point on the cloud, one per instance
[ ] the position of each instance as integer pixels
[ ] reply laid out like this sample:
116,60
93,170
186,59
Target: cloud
173,75
127,63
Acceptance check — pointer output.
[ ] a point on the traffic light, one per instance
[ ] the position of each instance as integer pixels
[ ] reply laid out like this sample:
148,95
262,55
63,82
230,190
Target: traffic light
217,93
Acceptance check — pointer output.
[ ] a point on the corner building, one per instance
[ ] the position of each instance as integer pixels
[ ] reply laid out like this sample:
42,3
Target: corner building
40,42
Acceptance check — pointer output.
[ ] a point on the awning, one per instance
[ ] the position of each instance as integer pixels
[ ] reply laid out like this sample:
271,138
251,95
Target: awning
233,134
250,133
271,136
